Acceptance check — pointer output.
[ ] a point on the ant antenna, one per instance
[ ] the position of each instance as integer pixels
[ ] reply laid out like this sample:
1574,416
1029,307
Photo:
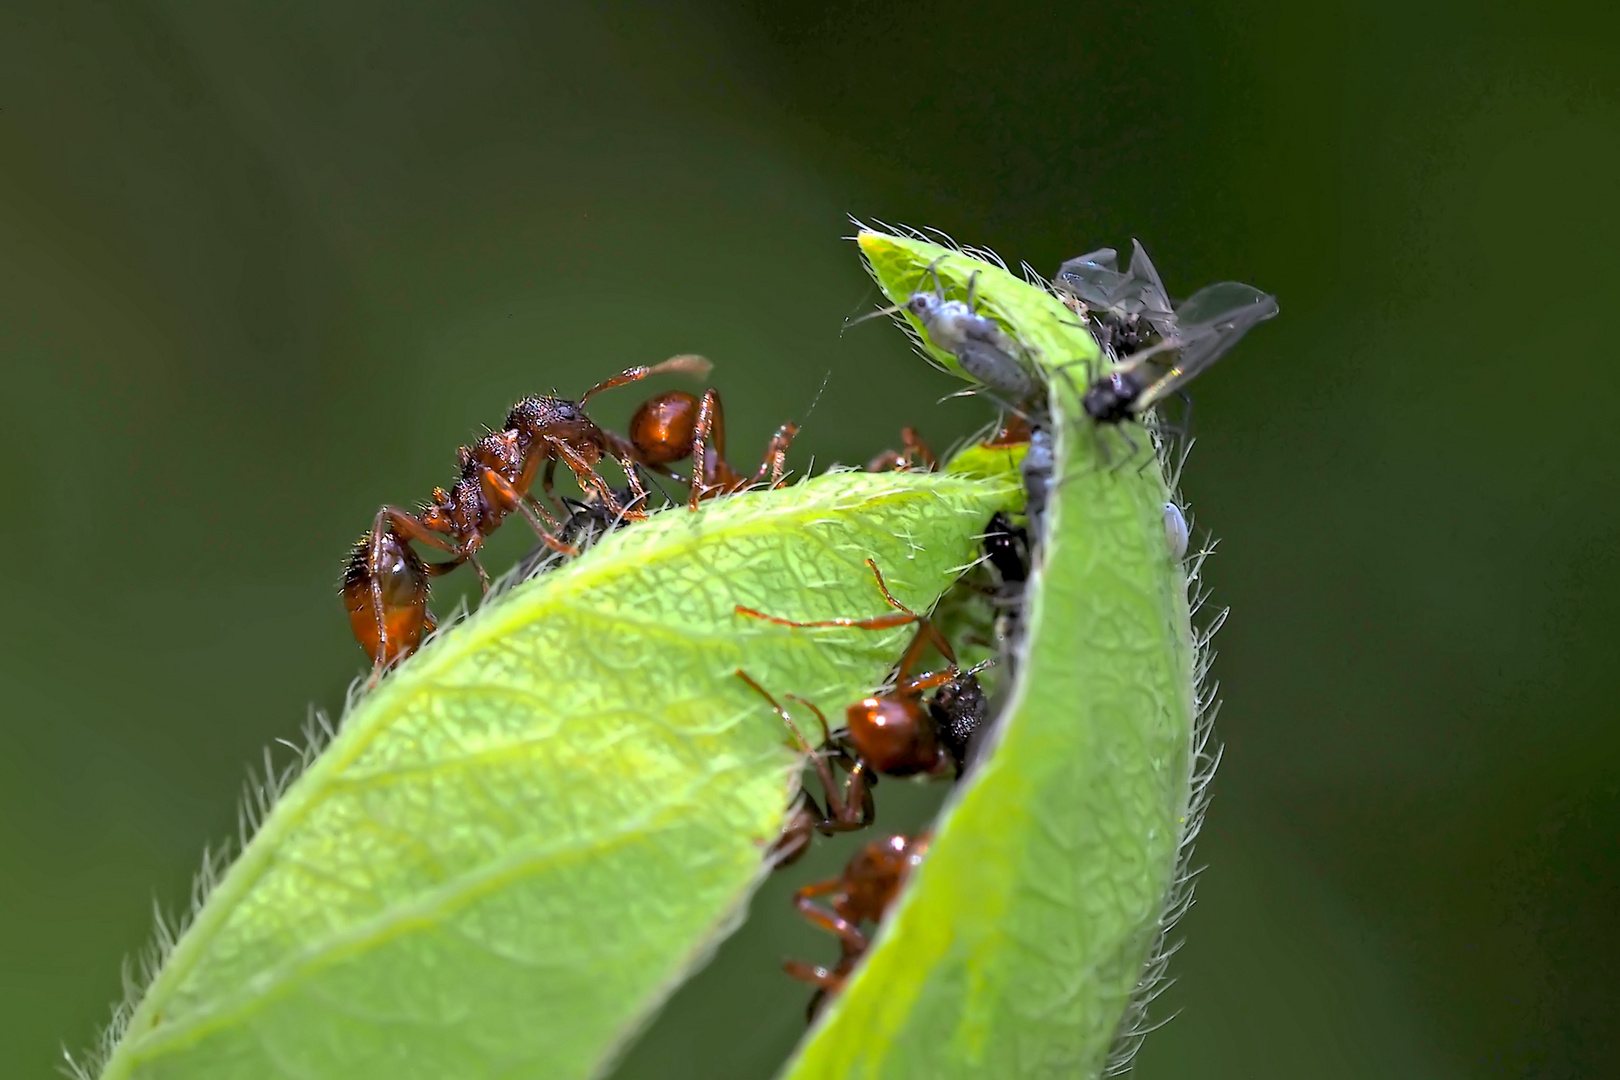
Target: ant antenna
685,364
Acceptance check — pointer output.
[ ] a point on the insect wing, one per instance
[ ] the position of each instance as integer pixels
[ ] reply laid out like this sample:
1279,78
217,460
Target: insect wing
1153,301
1093,278
1210,322
1096,281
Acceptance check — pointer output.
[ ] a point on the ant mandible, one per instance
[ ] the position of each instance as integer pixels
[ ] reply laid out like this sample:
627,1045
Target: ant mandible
862,893
676,425
895,732
385,584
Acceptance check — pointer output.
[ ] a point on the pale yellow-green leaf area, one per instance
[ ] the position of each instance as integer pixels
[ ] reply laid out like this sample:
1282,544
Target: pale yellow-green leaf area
522,840
1020,941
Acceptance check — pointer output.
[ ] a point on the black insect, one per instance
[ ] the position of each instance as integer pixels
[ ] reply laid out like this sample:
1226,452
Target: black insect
1206,325
1128,308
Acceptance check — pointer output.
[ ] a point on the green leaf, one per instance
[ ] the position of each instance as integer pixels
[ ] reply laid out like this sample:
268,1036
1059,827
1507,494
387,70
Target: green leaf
1021,941
517,845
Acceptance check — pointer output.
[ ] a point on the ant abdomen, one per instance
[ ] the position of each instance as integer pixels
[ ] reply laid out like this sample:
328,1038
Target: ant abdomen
402,586
664,428
893,735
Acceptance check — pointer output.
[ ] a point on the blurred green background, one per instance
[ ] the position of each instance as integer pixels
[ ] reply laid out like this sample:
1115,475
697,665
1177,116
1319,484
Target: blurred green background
265,266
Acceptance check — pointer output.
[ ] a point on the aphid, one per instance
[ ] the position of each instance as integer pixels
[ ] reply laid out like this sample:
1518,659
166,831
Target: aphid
588,521
386,581
1207,324
863,893
1126,307
1006,549
1175,530
983,349
895,732
915,455
674,426
1036,470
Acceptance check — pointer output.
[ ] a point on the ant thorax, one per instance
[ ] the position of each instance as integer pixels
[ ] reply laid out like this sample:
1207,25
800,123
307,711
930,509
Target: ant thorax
535,418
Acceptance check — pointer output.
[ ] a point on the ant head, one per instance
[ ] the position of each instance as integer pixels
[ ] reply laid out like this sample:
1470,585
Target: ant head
663,428
894,735
554,417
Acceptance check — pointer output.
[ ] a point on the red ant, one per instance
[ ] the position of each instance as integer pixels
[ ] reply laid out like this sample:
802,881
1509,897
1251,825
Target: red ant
863,893
915,455
677,425
894,732
385,584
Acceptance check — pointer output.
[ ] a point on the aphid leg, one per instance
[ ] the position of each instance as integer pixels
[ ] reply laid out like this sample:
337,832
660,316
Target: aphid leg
775,459
973,280
933,271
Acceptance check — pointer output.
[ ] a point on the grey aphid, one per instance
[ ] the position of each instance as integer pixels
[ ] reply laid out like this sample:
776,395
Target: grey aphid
1037,472
1175,531
980,345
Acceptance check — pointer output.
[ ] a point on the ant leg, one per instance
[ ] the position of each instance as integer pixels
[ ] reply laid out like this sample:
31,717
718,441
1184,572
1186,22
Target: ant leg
842,815
775,459
483,575
927,632
917,450
904,461
588,478
888,461
525,484
815,975
638,493
374,559
848,933
796,835
406,527
495,483
710,424
823,773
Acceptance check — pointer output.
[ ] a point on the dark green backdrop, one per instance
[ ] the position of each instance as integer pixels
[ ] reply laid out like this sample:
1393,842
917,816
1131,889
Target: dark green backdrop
265,266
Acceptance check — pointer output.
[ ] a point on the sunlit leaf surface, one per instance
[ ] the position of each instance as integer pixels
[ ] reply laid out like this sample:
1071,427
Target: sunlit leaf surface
526,836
